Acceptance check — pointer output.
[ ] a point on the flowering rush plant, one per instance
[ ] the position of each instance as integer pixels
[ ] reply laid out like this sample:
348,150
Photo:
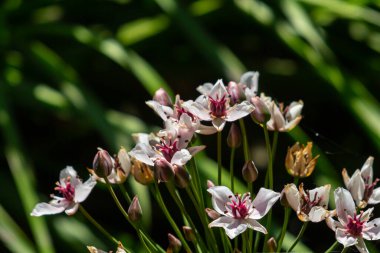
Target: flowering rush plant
224,215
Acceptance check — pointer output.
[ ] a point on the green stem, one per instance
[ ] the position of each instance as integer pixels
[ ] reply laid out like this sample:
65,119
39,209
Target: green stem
332,248
344,250
284,227
97,225
245,140
300,234
169,217
125,193
245,240
219,157
257,242
270,160
232,169
268,227
197,182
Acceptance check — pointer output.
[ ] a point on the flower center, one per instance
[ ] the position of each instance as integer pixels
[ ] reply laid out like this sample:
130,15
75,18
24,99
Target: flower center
167,149
67,191
307,203
354,225
240,207
368,190
181,110
218,106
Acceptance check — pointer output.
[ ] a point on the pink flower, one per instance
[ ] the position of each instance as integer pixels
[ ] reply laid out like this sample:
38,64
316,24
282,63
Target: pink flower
239,212
72,192
351,228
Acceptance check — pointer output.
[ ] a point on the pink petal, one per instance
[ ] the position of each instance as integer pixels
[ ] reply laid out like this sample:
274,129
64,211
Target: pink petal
53,207
239,111
317,214
346,239
361,246
322,193
218,91
293,196
344,204
220,195
367,170
253,224
375,197
181,157
72,209
200,111
356,187
263,202
372,230
164,112
83,190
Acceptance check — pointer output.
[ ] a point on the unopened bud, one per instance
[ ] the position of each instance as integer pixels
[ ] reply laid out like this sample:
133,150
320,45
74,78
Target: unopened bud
210,184
142,172
261,114
250,172
235,91
103,163
163,170
272,245
234,136
174,244
162,97
134,210
181,177
212,213
189,233
299,160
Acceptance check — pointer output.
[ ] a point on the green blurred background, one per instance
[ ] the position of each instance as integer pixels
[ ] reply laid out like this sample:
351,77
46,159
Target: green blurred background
75,75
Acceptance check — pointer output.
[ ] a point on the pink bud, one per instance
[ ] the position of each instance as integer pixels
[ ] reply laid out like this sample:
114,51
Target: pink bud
261,114
234,136
162,97
103,163
189,233
181,177
250,172
235,92
163,170
174,244
134,210
210,184
212,213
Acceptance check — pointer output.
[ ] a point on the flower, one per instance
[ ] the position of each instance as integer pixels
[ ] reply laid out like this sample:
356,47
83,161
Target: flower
72,192
215,106
351,228
239,212
283,120
92,249
362,186
309,205
299,160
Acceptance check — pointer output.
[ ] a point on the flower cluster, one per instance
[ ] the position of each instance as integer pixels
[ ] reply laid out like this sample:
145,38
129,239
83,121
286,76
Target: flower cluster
167,157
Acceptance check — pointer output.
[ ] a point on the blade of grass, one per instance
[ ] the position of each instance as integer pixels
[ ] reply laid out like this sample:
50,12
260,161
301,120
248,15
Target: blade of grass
12,235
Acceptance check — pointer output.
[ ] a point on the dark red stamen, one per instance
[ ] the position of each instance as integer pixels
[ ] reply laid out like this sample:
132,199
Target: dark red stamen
168,149
218,106
240,208
307,203
354,225
368,190
67,191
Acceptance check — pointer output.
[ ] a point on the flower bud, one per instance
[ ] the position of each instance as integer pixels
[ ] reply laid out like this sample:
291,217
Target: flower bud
189,233
134,210
210,184
234,136
181,176
142,172
236,93
250,172
212,213
174,244
299,160
163,170
162,97
261,114
272,245
103,163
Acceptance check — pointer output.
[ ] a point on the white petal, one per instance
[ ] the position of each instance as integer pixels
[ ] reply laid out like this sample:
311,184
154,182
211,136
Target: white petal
372,230
218,123
164,112
218,91
53,207
200,111
346,239
356,186
333,224
294,111
375,197
263,202
205,88
142,152
220,196
72,209
361,246
367,170
239,111
250,79
67,172
235,228
206,130
253,224
346,177
367,214
317,214
83,190
293,196
181,157
344,204
323,193
221,222
277,121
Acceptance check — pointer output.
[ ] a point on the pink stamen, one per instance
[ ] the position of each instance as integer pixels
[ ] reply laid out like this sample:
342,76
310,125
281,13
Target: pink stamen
168,150
240,208
307,203
355,225
181,110
218,106
67,191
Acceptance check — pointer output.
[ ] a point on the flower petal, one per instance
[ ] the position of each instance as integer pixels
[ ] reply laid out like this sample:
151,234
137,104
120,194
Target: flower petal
346,239
317,214
72,209
366,215
220,195
375,197
218,90
239,111
356,186
293,196
321,193
361,246
205,88
333,224
181,157
372,230
367,170
206,130
53,207
344,204
66,173
235,228
164,112
255,225
263,202
83,190
346,177
218,123
200,111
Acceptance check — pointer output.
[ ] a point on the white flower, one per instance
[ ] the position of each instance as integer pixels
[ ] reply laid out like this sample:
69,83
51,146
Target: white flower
283,120
239,212
309,205
215,106
72,192
351,228
362,186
